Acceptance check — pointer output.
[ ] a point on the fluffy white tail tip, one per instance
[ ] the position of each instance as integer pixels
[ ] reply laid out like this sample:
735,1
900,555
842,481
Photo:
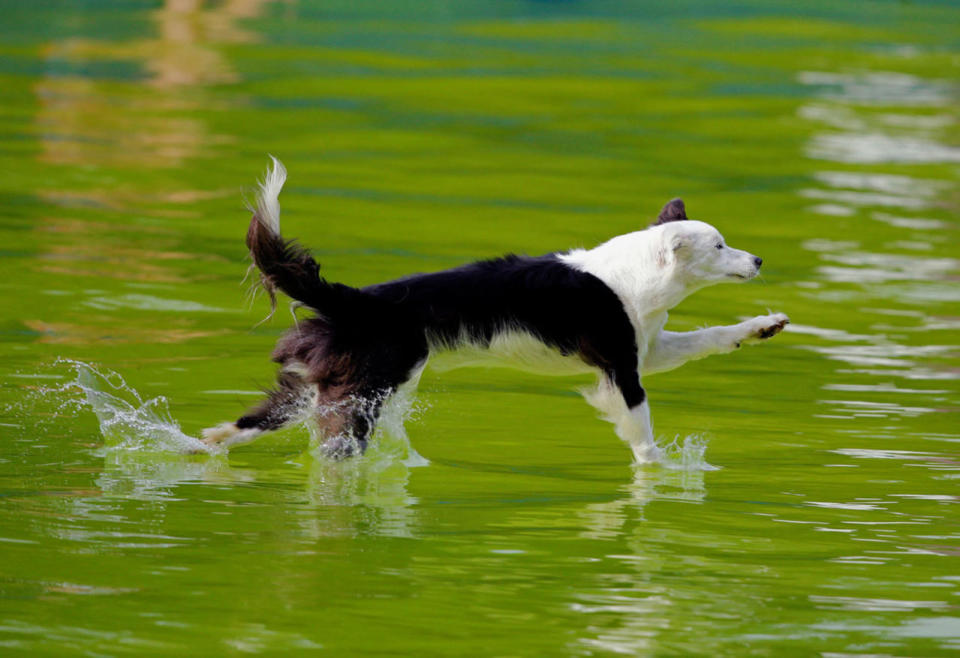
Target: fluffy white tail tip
268,205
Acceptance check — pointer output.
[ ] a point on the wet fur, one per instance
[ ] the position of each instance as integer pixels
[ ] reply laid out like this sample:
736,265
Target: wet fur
601,309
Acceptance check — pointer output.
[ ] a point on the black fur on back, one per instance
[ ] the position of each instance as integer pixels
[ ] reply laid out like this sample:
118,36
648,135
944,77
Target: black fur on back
569,310
366,342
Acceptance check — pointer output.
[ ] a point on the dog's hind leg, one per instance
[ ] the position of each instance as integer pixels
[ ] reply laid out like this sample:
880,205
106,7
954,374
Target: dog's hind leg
284,404
352,422
348,423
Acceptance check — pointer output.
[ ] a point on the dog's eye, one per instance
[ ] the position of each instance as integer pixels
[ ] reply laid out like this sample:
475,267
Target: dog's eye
719,245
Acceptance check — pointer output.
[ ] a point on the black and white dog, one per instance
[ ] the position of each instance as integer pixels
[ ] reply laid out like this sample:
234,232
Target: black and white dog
600,310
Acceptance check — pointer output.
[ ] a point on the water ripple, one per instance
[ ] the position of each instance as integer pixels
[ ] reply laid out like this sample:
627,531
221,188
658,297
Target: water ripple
880,88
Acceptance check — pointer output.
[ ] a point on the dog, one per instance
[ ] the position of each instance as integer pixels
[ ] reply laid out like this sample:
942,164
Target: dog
599,310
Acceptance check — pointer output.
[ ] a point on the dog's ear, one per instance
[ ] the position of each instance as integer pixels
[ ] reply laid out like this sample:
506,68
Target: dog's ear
674,211
670,250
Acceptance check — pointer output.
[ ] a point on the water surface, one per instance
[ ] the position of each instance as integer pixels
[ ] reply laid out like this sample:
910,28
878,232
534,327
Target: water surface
500,517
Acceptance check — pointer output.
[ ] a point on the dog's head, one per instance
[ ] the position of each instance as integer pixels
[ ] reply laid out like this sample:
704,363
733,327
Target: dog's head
697,251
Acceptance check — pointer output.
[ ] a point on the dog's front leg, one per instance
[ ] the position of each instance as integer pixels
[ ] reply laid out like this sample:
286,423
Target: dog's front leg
637,430
672,349
621,399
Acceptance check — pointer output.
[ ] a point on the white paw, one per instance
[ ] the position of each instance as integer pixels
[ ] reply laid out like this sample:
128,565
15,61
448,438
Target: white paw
216,435
764,326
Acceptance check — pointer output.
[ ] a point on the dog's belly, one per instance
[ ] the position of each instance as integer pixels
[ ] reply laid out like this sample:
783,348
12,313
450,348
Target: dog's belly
509,349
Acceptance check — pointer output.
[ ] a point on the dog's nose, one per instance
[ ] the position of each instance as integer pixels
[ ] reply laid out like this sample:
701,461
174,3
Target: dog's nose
757,261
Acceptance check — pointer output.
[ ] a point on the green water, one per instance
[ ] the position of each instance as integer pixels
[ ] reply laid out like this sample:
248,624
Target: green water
419,136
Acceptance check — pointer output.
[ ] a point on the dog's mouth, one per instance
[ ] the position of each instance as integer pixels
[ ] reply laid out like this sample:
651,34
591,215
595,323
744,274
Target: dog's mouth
740,276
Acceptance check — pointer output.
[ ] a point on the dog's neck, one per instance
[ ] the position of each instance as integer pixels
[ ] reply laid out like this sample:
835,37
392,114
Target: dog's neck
636,269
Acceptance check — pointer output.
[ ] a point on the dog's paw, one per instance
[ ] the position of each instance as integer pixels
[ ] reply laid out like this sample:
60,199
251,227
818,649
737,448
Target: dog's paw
215,436
764,326
777,322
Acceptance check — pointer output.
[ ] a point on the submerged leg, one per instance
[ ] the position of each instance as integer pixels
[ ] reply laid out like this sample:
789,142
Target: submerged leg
622,401
285,403
349,425
348,420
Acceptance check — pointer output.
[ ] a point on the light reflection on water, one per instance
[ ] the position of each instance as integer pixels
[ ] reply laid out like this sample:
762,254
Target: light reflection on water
882,353
883,88
906,188
879,148
880,268
608,520
870,138
846,102
82,123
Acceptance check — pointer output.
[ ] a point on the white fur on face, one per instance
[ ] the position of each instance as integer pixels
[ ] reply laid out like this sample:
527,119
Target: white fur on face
702,257
655,269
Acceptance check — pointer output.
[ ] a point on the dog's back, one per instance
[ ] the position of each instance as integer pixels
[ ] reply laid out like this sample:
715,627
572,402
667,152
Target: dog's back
474,303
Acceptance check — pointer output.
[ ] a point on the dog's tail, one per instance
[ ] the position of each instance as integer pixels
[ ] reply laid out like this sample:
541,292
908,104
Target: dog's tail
285,265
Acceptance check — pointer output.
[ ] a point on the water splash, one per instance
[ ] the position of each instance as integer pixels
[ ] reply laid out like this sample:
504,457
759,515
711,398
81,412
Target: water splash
390,442
129,424
127,421
686,455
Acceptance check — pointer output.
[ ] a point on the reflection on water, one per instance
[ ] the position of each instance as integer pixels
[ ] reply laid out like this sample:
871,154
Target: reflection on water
140,476
628,614
185,52
85,121
358,497
608,520
879,148
863,267
368,495
903,191
876,605
884,356
146,457
882,88
912,269
873,138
